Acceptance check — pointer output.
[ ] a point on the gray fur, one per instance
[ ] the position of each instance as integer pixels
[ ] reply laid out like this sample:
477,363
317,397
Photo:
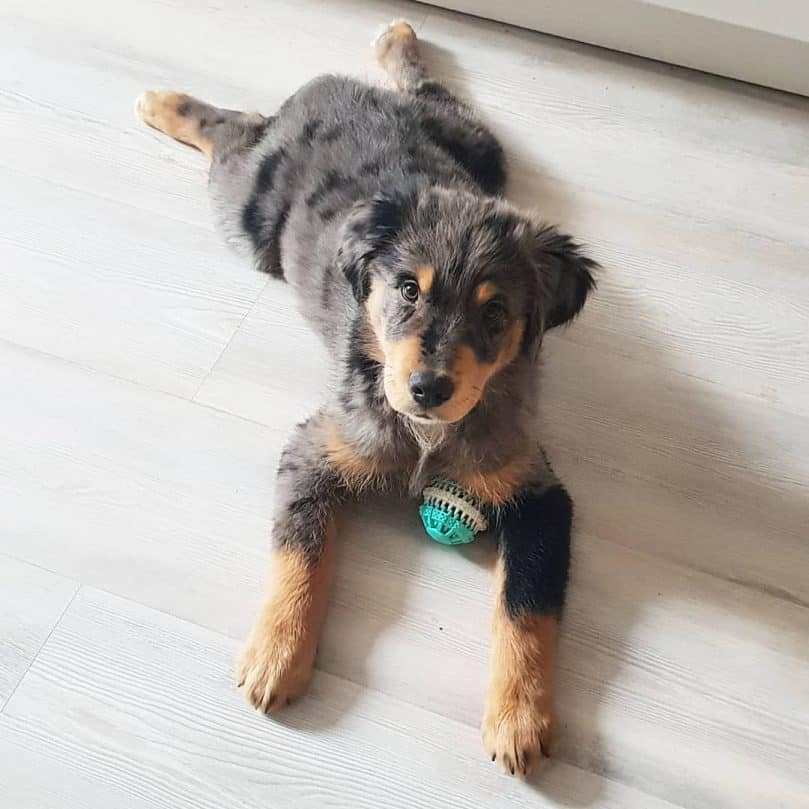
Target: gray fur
350,182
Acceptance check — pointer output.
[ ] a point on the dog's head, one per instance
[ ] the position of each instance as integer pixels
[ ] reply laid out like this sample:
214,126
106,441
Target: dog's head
455,288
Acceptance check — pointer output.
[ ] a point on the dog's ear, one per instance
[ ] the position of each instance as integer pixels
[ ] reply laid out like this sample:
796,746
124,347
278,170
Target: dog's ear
369,231
564,278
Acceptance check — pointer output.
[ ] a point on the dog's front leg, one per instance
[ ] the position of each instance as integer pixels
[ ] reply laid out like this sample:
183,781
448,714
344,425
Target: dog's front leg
277,661
534,554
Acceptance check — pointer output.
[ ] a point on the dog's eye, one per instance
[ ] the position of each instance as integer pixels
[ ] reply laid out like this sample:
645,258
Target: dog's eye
410,291
495,317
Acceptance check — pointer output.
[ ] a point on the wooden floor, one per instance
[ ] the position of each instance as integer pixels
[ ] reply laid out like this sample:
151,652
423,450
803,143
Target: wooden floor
148,380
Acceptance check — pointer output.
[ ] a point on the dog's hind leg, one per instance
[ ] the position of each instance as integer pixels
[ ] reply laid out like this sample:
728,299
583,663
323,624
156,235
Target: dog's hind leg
397,51
227,138
446,120
212,130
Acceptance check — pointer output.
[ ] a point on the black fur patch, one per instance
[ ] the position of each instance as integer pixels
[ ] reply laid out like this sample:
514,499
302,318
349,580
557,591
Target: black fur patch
501,227
356,274
268,168
309,131
387,215
271,262
573,276
370,168
434,91
331,182
252,221
327,214
331,134
479,153
431,335
371,234
535,548
363,372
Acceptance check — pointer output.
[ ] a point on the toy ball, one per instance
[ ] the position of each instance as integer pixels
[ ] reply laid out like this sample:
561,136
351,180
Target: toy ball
450,514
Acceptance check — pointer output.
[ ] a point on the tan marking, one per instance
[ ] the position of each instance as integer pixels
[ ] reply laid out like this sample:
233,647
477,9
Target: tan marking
425,276
485,292
519,719
159,110
358,471
498,486
399,357
372,348
402,357
277,661
470,375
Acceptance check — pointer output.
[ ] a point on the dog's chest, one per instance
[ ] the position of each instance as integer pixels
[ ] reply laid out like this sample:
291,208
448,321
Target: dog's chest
430,440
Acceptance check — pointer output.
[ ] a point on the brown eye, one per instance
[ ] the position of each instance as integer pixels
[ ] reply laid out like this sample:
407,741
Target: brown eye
410,291
495,317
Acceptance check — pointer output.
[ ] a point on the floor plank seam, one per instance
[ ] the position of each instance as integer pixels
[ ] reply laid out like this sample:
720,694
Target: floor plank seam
13,558
56,623
419,27
230,340
137,384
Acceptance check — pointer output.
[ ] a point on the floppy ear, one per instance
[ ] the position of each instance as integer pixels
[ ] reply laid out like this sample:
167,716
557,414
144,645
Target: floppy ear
368,232
564,280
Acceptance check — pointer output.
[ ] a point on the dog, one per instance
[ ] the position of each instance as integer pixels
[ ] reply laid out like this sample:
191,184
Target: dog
383,210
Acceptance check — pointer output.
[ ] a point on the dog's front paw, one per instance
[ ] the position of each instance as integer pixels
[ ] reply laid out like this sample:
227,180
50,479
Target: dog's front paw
519,728
274,670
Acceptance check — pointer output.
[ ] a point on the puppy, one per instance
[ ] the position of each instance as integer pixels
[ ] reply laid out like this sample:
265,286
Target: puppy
383,211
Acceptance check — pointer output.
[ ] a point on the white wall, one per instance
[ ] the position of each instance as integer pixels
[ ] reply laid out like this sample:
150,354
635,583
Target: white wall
761,42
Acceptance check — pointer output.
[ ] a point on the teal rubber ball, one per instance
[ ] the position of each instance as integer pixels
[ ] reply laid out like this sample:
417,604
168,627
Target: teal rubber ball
450,514
443,527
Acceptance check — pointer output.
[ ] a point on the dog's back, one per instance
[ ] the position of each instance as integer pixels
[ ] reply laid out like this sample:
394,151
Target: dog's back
332,144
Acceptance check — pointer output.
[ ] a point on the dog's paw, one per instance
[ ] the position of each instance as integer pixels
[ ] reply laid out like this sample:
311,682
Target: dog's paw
398,34
519,732
159,110
273,671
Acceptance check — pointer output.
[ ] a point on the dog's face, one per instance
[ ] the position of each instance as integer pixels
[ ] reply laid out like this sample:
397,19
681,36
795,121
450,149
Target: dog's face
455,288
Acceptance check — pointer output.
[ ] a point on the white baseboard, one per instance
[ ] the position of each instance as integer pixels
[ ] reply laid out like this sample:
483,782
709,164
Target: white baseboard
760,42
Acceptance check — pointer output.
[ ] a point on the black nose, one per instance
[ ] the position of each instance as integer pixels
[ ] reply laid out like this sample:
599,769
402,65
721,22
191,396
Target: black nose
429,389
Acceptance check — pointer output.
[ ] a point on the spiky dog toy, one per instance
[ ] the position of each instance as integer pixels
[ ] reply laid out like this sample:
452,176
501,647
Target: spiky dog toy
451,515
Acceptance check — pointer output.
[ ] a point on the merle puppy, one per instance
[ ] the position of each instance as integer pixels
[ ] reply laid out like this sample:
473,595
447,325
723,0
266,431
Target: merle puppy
383,210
